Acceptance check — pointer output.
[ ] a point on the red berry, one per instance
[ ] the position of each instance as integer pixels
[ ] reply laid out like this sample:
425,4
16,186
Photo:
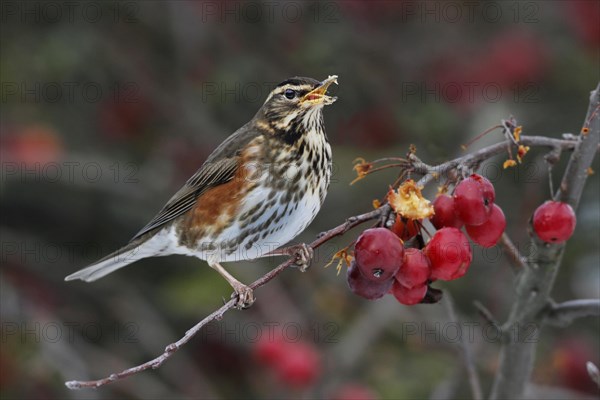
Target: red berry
379,254
415,269
473,199
449,253
405,228
364,287
487,235
554,221
300,365
570,356
408,296
445,214
270,349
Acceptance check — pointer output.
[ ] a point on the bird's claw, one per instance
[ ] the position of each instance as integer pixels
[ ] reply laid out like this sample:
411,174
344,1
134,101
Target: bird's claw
304,255
244,295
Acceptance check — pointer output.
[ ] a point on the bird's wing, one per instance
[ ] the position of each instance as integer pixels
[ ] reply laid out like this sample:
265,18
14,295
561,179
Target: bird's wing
218,169
209,175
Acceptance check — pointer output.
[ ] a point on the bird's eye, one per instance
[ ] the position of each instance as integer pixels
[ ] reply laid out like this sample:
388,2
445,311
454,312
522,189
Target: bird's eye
289,93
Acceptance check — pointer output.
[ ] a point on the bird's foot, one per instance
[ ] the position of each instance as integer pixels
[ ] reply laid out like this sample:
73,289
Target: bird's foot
304,255
244,295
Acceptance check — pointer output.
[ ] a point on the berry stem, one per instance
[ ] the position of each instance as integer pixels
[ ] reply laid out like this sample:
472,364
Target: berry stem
482,134
550,183
422,228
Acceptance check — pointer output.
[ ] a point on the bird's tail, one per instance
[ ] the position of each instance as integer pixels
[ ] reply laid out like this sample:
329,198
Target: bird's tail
126,255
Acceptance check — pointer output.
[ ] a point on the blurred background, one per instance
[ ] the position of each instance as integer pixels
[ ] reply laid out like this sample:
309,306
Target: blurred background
108,107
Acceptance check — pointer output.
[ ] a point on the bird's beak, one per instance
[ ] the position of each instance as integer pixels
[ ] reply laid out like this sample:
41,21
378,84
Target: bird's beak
319,94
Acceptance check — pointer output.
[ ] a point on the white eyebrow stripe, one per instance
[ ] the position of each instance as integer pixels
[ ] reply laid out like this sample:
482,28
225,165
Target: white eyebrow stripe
282,89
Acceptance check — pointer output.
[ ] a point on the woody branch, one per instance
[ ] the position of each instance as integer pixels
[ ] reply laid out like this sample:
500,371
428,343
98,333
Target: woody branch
534,283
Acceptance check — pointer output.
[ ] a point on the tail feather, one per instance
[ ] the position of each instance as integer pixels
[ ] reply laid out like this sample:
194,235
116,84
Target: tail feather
126,255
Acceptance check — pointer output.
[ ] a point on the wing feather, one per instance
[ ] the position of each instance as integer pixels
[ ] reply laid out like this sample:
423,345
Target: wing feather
218,169
209,175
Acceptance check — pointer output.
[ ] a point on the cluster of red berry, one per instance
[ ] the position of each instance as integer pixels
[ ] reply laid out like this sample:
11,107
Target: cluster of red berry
384,265
472,205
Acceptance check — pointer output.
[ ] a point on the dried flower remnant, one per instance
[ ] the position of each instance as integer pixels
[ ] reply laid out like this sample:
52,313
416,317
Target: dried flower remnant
409,202
509,163
362,168
342,256
521,152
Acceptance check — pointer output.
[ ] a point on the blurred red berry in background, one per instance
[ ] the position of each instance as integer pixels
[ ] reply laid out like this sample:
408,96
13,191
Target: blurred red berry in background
269,349
300,365
511,57
296,364
30,145
374,127
126,117
569,360
583,16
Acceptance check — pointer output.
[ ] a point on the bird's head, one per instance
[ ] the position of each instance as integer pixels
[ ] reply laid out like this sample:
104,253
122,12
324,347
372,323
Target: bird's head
296,102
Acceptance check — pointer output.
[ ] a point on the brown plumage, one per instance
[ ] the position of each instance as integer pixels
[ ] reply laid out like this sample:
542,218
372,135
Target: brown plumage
259,189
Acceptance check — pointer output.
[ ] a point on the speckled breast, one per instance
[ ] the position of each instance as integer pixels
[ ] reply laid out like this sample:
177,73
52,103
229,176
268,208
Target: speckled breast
285,188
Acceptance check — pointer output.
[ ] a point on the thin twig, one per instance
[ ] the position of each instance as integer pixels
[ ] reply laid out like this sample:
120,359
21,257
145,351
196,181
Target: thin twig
593,372
466,352
518,261
563,314
482,134
486,314
472,159
158,361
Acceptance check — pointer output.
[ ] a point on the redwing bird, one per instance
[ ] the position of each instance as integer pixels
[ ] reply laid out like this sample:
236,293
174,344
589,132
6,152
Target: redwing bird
257,191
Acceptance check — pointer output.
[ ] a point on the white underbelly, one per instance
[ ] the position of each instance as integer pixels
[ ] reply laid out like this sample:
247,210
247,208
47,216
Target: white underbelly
288,219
